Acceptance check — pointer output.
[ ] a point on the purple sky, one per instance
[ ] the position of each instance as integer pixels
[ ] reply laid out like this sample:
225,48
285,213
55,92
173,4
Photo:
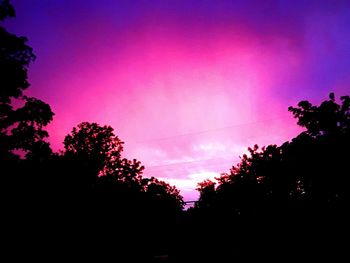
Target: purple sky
188,85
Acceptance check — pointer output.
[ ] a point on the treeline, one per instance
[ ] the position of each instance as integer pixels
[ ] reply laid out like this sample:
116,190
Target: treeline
89,195
84,199
279,202
288,201
310,170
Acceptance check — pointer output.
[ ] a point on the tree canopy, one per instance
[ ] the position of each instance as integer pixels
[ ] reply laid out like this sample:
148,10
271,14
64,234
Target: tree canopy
290,199
327,118
89,194
308,167
21,127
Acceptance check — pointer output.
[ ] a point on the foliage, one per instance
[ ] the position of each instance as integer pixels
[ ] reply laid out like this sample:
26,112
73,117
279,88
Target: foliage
6,9
21,128
328,118
308,169
90,193
98,151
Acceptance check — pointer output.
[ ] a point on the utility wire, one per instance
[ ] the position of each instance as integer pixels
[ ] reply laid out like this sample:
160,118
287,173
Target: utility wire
201,132
211,130
187,162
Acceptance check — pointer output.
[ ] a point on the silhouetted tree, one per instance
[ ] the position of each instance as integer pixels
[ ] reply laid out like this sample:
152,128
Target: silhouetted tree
95,147
324,148
22,123
309,166
288,188
20,127
6,9
207,193
167,197
328,118
83,195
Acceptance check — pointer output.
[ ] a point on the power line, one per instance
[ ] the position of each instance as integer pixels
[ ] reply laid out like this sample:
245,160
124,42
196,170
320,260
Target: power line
200,132
219,168
216,163
223,167
211,130
221,160
187,162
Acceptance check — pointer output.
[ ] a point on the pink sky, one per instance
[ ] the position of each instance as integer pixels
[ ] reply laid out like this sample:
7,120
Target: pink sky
187,108
187,92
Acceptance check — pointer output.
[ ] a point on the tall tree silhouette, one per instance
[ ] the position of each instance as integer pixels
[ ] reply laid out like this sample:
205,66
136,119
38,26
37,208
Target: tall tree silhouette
289,189
325,143
98,151
21,128
114,192
310,166
94,146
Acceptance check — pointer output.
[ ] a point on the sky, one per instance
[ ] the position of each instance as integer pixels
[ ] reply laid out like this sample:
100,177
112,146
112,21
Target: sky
187,85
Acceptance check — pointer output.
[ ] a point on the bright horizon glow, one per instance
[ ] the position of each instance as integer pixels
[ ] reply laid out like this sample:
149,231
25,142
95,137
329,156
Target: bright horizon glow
187,85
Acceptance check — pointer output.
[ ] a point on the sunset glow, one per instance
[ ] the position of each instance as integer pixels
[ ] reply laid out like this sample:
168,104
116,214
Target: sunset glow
187,85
